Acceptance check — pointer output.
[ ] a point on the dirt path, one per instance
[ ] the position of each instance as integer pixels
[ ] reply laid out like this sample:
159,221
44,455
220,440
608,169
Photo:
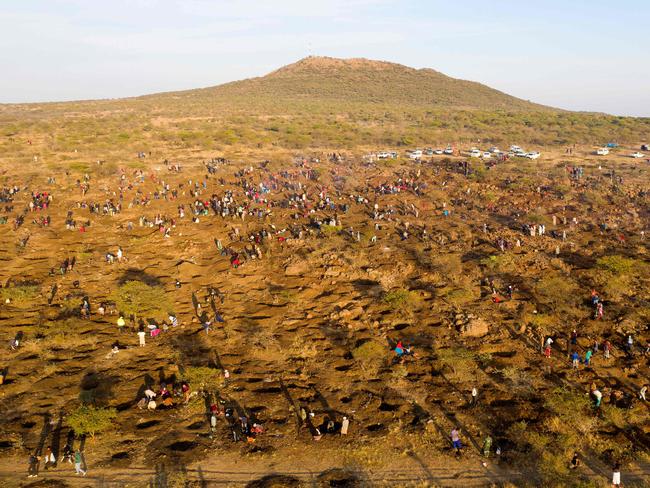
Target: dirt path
468,473
233,471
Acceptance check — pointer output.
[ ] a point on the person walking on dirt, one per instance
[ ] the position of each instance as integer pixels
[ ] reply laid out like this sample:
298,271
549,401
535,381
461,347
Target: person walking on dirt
474,399
34,461
141,335
120,324
642,393
185,387
549,341
574,337
50,460
487,445
345,425
628,345
575,359
547,352
207,326
599,311
67,453
588,355
616,475
455,440
598,397
607,346
78,459
575,461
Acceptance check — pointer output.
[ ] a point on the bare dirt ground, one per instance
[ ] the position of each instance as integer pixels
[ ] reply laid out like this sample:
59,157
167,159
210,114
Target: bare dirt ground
313,322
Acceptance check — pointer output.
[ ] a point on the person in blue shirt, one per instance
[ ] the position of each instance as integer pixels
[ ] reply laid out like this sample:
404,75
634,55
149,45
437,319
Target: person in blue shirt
575,359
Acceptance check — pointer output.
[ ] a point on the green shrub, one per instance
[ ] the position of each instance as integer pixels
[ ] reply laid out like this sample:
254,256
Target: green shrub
501,263
138,298
398,299
331,229
19,294
617,265
88,420
369,351
558,293
201,377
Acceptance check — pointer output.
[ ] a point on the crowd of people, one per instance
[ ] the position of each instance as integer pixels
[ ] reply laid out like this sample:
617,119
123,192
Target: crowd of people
257,212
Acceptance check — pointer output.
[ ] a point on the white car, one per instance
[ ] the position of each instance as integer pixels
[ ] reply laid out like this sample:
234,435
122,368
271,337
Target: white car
383,155
636,155
449,151
475,153
438,151
494,150
533,155
603,151
487,155
415,154
520,154
515,149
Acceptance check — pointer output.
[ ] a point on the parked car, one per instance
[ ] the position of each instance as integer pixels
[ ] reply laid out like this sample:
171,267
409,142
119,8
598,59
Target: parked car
636,155
645,147
383,155
515,149
612,145
428,151
487,155
520,154
438,151
602,151
417,154
449,150
475,153
533,155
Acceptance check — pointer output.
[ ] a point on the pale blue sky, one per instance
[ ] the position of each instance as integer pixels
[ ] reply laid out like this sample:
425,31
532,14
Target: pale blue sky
574,54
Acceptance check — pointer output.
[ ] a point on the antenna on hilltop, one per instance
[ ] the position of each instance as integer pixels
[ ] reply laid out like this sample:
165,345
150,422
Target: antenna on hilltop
310,52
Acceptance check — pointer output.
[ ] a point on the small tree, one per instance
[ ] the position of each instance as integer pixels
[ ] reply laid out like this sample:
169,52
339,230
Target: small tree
137,298
201,377
399,299
88,420
558,293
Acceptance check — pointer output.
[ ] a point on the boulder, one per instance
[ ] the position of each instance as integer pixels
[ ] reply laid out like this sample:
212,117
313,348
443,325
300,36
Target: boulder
297,268
475,328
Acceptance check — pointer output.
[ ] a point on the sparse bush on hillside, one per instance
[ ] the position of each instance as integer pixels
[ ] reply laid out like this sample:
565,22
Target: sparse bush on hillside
105,169
558,293
202,378
501,263
571,409
400,299
617,265
19,294
459,297
615,275
449,266
88,420
139,299
328,230
458,362
371,355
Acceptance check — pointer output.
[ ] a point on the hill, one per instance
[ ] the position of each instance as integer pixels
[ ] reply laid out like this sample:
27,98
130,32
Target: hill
319,103
361,81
